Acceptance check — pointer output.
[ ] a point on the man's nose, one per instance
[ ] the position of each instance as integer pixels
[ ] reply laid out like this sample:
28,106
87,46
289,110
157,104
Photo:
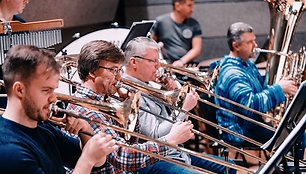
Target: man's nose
118,76
255,44
53,98
157,65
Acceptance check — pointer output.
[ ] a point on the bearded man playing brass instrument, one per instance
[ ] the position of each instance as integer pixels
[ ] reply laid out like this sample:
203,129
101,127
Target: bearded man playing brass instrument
28,142
99,67
239,80
143,61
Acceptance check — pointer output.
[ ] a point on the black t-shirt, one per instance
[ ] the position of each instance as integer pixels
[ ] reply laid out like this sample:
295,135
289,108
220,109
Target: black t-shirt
18,18
177,38
44,149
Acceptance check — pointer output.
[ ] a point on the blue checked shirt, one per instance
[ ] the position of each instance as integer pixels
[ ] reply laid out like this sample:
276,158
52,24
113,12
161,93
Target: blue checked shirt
123,159
241,82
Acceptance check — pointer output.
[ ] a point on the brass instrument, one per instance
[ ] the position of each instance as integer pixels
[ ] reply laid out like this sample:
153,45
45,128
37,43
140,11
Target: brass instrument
134,89
206,80
118,111
167,96
171,97
201,77
144,137
284,17
158,94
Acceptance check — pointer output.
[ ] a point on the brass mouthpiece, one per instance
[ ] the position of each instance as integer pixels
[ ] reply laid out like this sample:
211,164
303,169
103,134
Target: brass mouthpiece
259,50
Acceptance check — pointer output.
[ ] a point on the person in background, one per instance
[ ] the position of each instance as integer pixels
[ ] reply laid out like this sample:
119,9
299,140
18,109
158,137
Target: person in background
28,142
179,33
9,10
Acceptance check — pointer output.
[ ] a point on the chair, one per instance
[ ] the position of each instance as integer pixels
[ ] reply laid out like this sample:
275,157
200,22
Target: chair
209,113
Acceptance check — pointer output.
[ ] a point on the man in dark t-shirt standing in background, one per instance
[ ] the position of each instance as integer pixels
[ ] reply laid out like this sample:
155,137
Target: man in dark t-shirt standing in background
180,34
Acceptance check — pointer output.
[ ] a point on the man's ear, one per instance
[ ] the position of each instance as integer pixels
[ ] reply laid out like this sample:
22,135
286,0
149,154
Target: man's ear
132,62
236,46
18,89
92,75
176,5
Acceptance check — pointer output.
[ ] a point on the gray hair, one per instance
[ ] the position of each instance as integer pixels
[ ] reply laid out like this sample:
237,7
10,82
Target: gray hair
235,31
138,47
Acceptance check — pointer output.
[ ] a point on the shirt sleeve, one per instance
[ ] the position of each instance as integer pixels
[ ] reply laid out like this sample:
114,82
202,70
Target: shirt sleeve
240,88
197,29
155,27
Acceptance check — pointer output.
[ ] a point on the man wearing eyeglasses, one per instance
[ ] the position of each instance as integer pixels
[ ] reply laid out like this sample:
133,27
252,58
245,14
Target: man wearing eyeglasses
143,55
99,67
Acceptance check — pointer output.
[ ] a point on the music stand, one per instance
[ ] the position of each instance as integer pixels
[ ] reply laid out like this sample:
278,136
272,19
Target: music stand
137,29
288,131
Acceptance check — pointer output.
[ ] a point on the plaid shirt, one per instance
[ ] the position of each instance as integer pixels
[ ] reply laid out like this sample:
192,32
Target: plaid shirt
123,159
241,82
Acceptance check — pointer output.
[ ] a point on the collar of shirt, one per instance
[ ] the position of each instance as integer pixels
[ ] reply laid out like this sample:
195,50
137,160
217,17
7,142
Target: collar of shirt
84,92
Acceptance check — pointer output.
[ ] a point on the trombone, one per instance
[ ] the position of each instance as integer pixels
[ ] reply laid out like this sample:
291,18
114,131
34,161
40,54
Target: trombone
144,137
204,79
170,97
147,88
128,85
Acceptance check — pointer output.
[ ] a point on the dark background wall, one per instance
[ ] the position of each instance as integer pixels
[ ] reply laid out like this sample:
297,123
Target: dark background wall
214,16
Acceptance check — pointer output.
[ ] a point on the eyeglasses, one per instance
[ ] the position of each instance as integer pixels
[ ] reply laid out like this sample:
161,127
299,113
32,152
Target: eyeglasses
154,61
115,71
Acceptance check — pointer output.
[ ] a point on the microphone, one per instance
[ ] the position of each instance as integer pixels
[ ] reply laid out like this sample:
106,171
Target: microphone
259,50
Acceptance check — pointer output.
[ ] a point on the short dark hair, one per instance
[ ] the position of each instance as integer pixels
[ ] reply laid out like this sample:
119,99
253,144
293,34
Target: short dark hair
93,53
235,31
177,1
21,63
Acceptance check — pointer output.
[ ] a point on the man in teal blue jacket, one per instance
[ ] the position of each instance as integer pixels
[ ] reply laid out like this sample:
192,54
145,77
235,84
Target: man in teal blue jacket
239,80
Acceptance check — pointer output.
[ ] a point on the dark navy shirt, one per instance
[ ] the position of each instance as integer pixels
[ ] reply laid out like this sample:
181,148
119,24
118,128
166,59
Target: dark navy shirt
44,149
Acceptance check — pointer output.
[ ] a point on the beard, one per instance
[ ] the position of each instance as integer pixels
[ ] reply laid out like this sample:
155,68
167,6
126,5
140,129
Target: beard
111,90
31,111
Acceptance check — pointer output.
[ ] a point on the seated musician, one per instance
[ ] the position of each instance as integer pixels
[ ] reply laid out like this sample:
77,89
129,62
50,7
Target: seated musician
143,61
239,80
99,67
28,143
